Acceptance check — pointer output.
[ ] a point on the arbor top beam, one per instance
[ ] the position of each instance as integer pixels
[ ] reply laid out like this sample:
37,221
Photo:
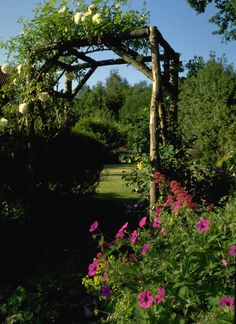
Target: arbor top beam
143,33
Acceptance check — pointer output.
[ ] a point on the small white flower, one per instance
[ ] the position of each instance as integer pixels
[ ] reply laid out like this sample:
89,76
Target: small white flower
62,10
88,13
43,96
83,18
78,17
19,68
3,122
23,108
97,19
5,68
69,76
117,6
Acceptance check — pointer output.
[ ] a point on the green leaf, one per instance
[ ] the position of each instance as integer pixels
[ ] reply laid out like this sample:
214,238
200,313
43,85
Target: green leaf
183,292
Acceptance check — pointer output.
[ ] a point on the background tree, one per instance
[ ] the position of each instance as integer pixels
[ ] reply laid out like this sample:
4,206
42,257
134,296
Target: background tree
225,17
207,121
115,88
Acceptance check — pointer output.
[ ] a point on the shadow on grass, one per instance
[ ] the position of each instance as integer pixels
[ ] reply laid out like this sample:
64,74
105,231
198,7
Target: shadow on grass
116,198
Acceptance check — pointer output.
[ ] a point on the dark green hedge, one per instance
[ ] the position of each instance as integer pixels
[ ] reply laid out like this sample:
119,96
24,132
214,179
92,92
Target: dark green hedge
63,164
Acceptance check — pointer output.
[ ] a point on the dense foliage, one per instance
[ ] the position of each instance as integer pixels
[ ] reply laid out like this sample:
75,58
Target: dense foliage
206,121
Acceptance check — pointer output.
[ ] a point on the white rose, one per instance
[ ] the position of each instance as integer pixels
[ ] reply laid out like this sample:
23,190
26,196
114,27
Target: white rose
78,17
97,19
19,68
23,108
88,13
3,122
5,68
43,96
62,10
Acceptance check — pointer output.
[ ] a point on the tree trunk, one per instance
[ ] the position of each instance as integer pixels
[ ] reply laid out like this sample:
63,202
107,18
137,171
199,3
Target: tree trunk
154,119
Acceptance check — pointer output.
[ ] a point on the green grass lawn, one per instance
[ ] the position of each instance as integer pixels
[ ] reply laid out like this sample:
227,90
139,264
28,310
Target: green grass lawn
112,186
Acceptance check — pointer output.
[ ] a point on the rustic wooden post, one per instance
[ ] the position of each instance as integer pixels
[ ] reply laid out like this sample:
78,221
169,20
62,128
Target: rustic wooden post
154,119
174,66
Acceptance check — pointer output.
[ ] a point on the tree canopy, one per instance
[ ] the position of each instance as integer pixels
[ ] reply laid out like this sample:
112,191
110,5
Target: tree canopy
207,110
225,17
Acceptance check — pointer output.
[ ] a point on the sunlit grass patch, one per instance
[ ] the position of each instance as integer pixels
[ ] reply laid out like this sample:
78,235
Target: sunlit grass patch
112,186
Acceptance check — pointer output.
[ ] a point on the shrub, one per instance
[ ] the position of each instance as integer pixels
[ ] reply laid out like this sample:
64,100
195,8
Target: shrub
174,267
65,164
104,131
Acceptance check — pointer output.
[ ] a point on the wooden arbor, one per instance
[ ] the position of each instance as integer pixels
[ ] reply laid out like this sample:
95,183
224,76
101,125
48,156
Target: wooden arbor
160,66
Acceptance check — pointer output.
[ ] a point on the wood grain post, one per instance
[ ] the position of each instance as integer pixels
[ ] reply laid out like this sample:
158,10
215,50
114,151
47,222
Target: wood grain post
154,118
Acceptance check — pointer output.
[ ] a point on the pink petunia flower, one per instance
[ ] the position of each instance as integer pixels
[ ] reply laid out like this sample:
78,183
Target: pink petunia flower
134,236
224,262
93,226
203,225
92,269
104,278
176,205
156,223
145,299
227,301
169,200
160,295
142,222
163,231
232,250
120,233
145,248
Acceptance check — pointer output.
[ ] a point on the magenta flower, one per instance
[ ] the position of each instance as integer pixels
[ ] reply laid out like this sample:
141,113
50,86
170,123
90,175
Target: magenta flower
232,250
224,262
93,226
145,299
145,248
104,278
92,269
203,225
160,295
133,236
156,223
169,200
227,301
176,205
174,185
163,231
106,291
142,222
158,211
120,233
